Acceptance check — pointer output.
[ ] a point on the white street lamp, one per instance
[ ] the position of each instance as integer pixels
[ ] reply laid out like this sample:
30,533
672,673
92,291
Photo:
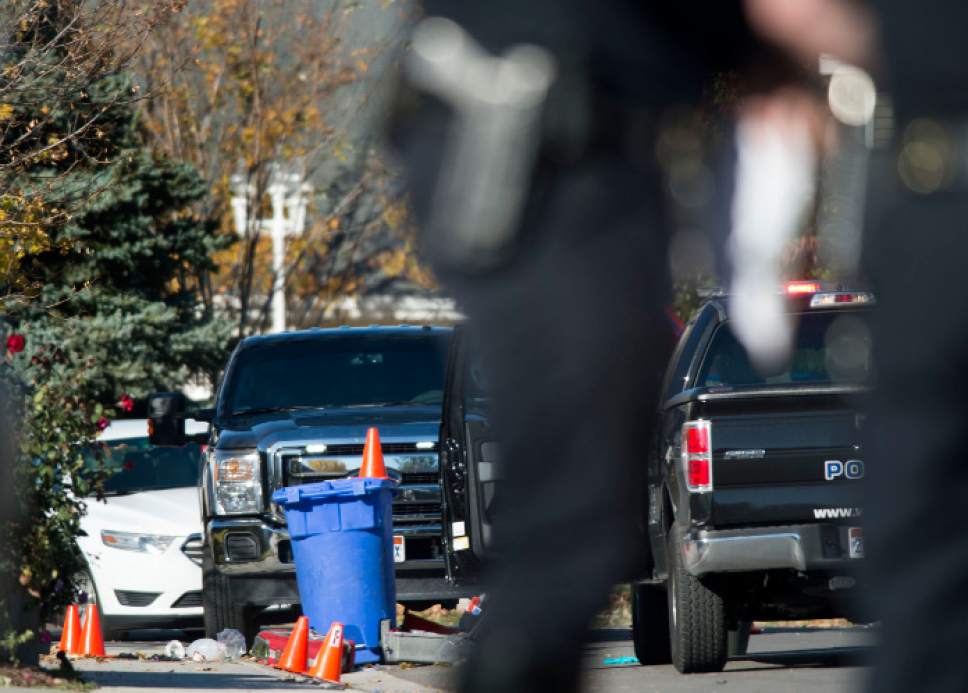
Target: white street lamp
289,196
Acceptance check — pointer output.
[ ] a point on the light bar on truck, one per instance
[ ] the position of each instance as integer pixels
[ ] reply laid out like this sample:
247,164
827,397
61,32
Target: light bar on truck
697,456
840,298
800,287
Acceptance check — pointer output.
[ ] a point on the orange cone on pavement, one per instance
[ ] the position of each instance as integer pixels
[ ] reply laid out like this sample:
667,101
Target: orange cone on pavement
70,641
293,657
329,661
92,639
373,466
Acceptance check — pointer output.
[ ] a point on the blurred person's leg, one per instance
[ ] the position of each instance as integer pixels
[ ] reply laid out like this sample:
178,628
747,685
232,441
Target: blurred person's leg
576,337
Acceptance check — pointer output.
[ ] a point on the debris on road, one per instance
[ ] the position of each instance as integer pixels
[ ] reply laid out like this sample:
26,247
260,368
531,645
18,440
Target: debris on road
234,642
142,657
619,661
175,650
292,651
434,644
206,650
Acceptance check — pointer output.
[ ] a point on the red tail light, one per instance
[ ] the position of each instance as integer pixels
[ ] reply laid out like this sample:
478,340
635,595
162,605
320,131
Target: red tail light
697,456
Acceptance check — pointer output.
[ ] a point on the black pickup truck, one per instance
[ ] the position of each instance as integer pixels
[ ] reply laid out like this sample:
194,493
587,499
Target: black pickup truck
754,489
293,408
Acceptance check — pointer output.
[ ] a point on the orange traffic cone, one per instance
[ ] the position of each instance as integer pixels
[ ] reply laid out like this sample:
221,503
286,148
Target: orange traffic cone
329,661
293,657
373,466
92,640
70,641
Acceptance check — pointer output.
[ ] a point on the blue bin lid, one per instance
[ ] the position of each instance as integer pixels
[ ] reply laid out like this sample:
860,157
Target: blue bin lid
322,490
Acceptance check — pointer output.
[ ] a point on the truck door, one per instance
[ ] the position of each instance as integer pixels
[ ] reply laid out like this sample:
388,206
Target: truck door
469,462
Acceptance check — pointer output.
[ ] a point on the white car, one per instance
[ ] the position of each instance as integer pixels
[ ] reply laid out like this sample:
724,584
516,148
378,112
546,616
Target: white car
143,545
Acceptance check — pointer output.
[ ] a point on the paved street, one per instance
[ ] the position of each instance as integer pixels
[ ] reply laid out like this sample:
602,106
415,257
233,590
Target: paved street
780,660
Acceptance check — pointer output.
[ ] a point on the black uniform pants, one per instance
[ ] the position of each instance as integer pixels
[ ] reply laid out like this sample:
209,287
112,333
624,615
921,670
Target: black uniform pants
916,252
574,335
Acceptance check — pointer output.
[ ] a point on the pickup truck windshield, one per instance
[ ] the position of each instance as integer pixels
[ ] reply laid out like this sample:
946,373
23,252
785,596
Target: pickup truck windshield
133,465
338,371
831,347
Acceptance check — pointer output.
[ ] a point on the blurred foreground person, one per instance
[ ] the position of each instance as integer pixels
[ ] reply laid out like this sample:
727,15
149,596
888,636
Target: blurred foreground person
915,244
544,178
915,249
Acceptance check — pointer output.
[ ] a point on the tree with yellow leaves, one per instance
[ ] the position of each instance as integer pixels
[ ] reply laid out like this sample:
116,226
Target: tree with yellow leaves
241,87
54,58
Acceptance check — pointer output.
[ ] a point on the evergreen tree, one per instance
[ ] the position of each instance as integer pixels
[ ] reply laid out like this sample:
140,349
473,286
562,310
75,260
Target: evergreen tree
123,274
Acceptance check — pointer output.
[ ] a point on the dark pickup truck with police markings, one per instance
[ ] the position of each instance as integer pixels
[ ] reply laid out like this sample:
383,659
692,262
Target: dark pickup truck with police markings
754,483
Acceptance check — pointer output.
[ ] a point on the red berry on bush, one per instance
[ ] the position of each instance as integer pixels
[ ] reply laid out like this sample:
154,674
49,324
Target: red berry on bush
126,404
16,343
102,423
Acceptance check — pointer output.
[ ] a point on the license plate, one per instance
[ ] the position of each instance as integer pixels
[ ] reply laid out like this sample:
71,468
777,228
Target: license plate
399,548
855,542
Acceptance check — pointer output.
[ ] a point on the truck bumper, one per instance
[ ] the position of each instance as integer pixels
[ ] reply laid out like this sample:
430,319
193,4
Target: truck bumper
249,547
258,558
797,547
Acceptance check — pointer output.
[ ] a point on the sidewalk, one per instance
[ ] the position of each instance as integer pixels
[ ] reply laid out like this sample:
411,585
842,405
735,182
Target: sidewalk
139,676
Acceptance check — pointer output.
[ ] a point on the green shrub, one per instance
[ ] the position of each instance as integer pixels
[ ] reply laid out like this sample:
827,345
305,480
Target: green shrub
47,419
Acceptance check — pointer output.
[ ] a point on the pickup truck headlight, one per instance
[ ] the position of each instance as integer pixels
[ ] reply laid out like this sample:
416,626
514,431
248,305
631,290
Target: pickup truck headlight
130,541
236,475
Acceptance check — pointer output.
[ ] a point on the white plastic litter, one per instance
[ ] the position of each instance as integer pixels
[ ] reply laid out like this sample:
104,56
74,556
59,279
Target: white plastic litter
234,642
207,650
175,650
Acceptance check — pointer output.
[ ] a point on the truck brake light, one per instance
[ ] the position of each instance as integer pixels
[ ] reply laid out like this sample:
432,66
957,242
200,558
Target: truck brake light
697,456
799,288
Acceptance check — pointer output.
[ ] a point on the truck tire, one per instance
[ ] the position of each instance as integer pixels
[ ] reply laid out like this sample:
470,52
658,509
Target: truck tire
219,610
697,619
650,624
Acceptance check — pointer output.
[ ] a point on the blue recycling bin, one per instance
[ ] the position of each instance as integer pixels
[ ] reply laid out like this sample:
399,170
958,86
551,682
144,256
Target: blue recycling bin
342,543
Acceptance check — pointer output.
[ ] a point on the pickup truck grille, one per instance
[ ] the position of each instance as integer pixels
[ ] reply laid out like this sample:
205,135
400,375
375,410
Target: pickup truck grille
412,510
431,478
388,449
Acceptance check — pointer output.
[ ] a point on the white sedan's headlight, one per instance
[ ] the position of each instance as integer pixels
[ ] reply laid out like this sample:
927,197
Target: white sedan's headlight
130,541
237,480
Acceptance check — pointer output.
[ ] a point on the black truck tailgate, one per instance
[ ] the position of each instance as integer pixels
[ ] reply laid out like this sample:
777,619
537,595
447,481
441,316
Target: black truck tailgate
783,455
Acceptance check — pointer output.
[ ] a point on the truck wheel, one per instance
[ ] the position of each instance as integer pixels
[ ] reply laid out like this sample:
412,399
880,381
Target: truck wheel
219,611
650,624
697,619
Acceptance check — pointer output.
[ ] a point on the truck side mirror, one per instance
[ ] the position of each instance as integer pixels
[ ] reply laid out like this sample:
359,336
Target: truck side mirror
166,419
